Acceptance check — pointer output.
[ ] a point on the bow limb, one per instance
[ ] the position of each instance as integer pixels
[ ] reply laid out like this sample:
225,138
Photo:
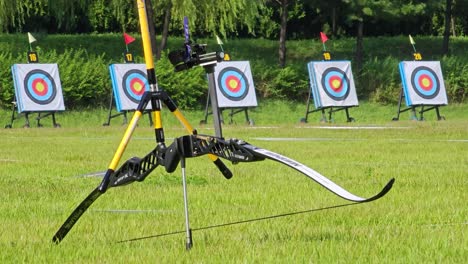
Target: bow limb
317,177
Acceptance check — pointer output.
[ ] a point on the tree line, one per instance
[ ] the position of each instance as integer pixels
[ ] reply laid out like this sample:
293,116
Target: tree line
270,19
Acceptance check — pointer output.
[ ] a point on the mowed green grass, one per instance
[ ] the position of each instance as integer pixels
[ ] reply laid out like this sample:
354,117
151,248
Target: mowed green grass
423,219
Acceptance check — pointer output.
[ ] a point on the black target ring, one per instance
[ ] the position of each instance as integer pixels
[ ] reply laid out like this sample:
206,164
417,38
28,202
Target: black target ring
425,82
40,87
134,83
233,83
335,83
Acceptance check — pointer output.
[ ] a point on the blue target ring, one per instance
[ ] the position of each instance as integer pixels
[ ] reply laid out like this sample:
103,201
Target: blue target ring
335,83
425,82
40,87
134,84
233,83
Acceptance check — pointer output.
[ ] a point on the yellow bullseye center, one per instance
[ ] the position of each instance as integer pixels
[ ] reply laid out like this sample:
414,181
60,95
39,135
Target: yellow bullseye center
137,87
40,87
426,82
336,84
233,83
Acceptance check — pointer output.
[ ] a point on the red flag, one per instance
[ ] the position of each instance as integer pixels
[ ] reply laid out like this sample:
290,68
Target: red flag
323,37
128,39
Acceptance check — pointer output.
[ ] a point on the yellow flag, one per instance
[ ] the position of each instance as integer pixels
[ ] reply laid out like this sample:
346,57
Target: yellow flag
219,40
31,38
411,40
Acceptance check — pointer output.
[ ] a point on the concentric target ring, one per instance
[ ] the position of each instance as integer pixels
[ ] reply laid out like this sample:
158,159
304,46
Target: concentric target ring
425,82
335,83
233,83
40,87
134,83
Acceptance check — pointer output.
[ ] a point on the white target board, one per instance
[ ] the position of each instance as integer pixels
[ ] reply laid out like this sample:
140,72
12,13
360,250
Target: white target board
332,84
37,87
234,84
423,83
129,82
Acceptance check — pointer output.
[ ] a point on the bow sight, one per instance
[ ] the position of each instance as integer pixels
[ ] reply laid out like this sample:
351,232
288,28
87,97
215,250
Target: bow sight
192,55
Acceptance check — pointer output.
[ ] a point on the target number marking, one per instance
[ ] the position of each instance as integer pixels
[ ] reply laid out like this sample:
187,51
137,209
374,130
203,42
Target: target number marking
134,84
233,83
335,83
40,87
425,82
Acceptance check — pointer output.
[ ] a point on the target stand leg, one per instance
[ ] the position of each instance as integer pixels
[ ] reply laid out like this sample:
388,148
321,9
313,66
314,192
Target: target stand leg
413,114
54,122
249,121
330,113
421,114
439,117
12,116
324,117
39,120
399,106
26,116
348,118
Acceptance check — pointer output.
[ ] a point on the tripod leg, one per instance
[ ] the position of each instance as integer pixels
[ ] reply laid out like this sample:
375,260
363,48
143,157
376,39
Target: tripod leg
120,150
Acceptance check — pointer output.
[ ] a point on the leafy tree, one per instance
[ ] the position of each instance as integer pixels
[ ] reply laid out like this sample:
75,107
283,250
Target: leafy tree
286,9
448,19
210,17
14,12
360,11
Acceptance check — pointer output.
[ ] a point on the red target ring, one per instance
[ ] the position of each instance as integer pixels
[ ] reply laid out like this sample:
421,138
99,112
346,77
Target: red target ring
425,82
336,83
137,86
40,87
233,84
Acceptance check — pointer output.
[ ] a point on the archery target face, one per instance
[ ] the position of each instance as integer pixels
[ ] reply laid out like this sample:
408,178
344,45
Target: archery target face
423,83
335,83
332,83
37,87
134,83
129,83
234,84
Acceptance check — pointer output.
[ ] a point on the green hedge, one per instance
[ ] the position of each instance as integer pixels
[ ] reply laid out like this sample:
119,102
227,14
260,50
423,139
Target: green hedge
83,66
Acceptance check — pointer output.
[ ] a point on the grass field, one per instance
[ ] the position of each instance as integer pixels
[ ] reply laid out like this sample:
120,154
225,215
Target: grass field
423,219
